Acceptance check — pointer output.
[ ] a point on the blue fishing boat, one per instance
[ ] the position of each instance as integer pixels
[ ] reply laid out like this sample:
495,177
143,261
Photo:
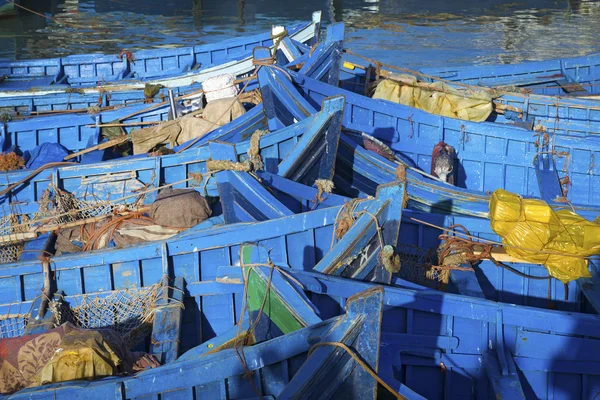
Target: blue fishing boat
88,138
437,344
180,66
274,366
359,175
234,60
571,115
565,77
260,205
489,156
435,209
304,152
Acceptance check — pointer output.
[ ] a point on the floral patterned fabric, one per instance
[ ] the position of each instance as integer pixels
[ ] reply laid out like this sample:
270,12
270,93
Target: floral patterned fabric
66,353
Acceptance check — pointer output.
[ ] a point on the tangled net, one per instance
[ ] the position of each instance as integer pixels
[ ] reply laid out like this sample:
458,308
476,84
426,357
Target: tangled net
13,325
128,312
56,207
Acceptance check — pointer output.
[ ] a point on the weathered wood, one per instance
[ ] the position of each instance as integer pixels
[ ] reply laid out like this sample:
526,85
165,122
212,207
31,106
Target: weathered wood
330,372
101,146
166,329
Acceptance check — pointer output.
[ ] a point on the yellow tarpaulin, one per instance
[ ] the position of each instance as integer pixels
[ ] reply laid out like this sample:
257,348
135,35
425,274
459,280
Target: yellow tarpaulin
531,230
436,98
86,354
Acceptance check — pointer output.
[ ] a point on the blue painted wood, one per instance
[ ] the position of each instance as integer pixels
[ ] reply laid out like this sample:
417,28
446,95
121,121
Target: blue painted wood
280,110
87,70
166,330
246,200
573,116
314,156
357,253
544,77
359,173
197,256
325,61
124,178
329,372
78,132
489,155
297,197
466,283
547,177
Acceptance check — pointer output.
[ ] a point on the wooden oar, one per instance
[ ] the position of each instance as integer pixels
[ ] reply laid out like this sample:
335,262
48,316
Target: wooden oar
101,146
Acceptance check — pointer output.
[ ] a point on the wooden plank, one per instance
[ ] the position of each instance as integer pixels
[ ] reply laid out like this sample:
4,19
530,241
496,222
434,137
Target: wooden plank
466,283
242,197
499,254
166,329
506,386
356,254
330,372
283,305
317,149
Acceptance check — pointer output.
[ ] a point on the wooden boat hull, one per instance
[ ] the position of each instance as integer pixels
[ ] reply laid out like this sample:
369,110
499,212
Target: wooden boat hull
570,76
168,67
440,345
490,156
434,206
565,115
304,152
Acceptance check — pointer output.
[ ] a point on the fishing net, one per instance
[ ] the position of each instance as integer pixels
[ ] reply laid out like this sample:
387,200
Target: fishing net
12,224
128,312
55,207
418,265
13,325
63,207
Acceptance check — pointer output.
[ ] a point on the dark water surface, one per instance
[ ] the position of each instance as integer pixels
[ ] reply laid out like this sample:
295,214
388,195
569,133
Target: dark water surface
409,32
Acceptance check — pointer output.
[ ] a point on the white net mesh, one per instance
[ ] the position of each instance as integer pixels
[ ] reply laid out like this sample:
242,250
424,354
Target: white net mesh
129,312
55,207
13,325
62,207
9,225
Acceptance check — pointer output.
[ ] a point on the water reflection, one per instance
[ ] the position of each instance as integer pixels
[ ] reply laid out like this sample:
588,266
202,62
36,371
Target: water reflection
413,32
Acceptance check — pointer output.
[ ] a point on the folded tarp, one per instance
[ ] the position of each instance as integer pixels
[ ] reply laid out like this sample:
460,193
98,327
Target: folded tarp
436,98
173,133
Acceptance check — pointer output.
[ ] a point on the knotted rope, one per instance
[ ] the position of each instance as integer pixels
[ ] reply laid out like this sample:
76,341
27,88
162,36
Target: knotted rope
344,220
277,39
254,149
324,186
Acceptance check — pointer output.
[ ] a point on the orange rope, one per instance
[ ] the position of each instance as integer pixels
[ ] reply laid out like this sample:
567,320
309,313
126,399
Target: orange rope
37,13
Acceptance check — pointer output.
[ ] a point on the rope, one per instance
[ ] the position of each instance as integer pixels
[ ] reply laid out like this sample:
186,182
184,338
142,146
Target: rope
466,249
400,175
360,362
254,149
324,186
277,39
41,15
482,241
226,165
243,340
344,220
390,260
